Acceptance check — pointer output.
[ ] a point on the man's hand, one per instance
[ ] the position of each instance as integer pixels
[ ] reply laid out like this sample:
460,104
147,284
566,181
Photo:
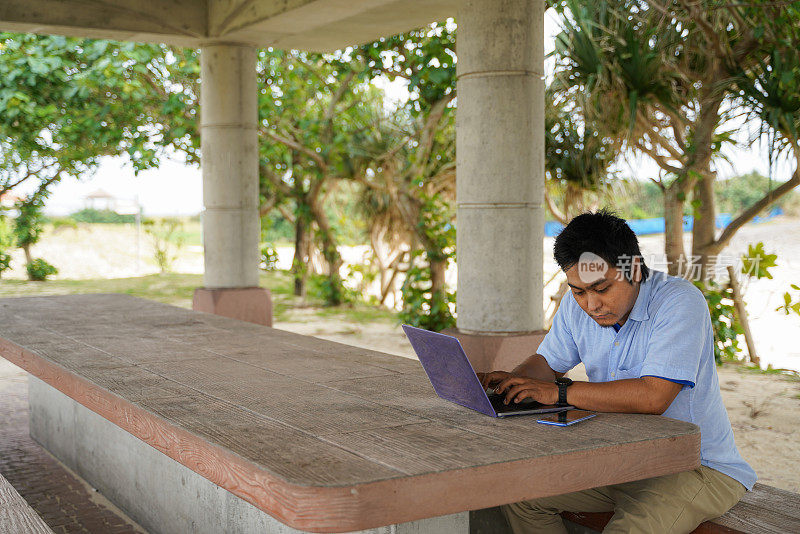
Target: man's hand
518,388
491,379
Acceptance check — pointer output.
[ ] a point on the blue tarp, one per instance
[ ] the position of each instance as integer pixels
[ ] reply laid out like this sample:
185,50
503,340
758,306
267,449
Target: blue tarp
656,226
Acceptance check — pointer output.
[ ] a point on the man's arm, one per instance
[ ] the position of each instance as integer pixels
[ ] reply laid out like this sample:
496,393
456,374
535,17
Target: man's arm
649,394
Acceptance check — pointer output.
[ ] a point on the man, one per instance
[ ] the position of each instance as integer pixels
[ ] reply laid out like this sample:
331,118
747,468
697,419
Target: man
647,344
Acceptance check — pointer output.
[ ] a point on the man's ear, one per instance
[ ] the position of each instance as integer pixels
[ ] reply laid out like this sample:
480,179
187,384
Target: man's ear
636,269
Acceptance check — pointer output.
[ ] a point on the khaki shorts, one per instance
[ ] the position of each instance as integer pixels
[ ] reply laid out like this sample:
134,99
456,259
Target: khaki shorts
675,503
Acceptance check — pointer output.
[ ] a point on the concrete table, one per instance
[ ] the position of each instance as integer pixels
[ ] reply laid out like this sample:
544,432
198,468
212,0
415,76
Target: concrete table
192,421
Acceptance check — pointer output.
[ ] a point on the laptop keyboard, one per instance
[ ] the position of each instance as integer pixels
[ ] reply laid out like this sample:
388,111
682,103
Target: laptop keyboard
499,406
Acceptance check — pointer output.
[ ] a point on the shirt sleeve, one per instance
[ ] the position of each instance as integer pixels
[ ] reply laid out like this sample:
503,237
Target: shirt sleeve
558,347
679,336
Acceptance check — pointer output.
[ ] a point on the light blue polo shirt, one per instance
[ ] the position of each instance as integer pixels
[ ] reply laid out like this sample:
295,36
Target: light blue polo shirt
668,335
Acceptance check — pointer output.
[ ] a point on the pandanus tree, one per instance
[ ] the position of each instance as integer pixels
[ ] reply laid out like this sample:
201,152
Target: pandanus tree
578,153
667,79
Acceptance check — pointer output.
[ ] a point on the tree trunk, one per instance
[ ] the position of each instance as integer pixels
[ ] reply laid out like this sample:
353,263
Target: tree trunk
704,229
741,311
673,231
438,270
300,261
330,251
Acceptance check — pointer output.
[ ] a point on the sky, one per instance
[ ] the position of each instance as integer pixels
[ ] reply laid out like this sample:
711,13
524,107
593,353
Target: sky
176,188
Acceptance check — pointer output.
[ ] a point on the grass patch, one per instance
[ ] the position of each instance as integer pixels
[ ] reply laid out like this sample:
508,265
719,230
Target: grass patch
169,288
178,289
191,234
787,374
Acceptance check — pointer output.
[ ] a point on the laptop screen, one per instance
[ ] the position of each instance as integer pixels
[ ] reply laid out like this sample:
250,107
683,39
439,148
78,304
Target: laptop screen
449,369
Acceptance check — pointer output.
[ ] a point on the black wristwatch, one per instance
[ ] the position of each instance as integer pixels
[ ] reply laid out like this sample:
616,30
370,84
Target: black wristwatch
563,383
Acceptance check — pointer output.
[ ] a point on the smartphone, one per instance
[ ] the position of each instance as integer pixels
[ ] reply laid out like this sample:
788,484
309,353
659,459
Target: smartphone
566,418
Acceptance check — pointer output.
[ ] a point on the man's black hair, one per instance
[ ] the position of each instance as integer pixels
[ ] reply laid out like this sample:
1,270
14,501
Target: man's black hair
601,233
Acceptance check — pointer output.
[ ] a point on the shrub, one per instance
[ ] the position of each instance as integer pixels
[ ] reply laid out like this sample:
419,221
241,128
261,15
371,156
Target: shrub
422,307
165,235
5,262
62,223
6,242
91,215
39,270
269,257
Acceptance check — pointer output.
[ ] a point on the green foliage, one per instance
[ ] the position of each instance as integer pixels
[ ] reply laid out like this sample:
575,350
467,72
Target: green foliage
38,270
360,276
736,194
62,222
6,242
269,257
757,263
331,294
409,197
723,320
314,110
422,307
276,228
165,237
791,303
28,226
6,233
65,102
5,262
91,215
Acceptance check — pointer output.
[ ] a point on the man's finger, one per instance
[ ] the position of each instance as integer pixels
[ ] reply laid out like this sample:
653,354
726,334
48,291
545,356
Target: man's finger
492,378
527,394
511,381
512,393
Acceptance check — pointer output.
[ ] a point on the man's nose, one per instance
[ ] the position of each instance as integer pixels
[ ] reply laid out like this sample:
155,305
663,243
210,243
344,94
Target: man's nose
594,302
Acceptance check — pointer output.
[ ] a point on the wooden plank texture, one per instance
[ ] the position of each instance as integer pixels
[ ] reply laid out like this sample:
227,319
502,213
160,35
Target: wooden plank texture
323,436
16,516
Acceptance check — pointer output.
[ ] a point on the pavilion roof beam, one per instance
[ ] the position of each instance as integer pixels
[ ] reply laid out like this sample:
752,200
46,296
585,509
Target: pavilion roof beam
180,22
324,26
313,25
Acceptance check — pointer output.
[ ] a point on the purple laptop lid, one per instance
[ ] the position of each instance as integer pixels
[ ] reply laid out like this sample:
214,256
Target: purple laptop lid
448,369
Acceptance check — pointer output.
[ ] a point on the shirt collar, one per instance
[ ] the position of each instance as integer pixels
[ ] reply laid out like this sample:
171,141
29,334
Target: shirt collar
639,311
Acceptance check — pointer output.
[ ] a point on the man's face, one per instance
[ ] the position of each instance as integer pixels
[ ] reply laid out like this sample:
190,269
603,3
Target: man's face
601,290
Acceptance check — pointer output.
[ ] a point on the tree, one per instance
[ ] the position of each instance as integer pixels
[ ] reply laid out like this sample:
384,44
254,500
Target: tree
313,110
578,152
413,170
666,76
28,225
65,103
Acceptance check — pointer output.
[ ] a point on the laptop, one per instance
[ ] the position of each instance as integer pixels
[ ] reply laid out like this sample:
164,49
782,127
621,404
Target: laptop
454,379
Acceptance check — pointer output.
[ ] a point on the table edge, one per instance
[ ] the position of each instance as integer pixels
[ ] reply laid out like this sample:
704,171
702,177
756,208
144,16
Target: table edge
368,505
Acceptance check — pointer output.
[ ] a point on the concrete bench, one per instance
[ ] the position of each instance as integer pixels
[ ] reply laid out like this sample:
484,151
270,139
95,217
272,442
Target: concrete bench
16,515
765,510
195,422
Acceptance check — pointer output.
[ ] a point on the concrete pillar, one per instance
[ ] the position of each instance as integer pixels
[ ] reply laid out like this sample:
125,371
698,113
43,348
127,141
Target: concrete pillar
229,143
500,186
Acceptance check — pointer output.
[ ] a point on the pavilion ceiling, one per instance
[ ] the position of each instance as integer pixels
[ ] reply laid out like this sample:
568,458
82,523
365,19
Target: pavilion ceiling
314,25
